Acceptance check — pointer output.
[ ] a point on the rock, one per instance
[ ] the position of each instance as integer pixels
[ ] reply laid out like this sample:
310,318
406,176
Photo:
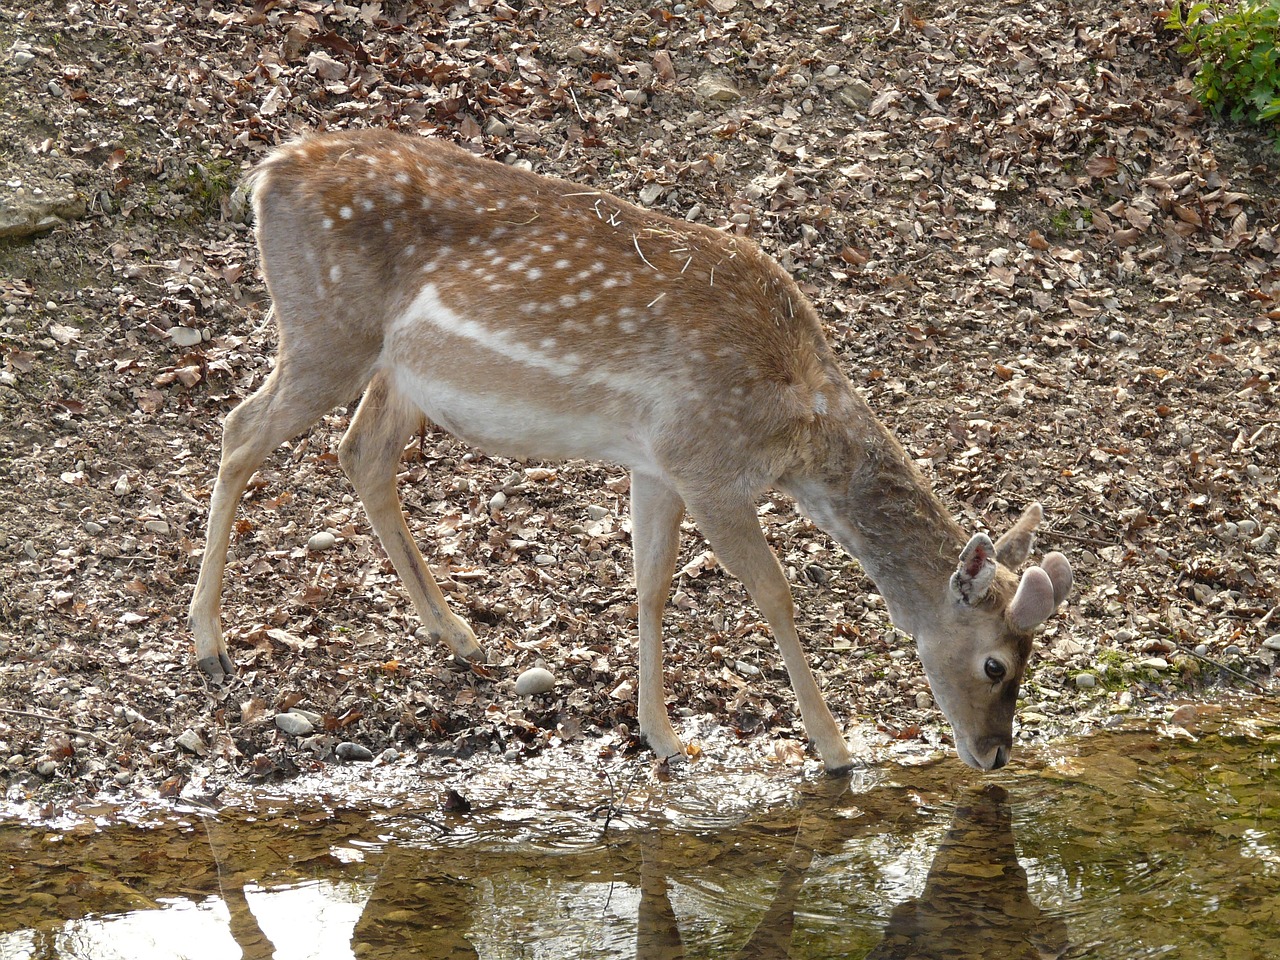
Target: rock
352,752
1124,636
1272,642
92,528
923,701
24,215
294,724
47,768
1154,663
1232,650
1086,681
597,512
715,86
389,755
156,526
185,336
855,95
534,681
1202,649
191,742
497,502
324,540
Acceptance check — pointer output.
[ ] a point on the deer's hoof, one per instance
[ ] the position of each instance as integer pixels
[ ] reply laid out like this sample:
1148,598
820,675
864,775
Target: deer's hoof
217,669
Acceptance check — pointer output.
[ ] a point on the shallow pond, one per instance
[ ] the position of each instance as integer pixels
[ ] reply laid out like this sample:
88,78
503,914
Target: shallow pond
1147,841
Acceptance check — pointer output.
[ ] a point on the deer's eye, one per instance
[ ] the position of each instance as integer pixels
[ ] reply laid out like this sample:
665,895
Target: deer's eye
994,669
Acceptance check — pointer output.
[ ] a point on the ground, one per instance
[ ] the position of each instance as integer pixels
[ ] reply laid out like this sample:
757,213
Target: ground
1049,273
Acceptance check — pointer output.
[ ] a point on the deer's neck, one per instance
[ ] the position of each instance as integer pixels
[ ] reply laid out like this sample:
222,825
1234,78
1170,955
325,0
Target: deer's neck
869,496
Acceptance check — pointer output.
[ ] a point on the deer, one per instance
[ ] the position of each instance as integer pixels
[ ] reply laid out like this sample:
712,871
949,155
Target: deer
536,318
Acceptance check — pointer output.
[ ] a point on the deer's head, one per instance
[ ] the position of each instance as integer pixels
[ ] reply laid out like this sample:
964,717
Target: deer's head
976,643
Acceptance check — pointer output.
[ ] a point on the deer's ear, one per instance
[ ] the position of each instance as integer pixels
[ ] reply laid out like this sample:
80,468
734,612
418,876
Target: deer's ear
1015,546
1059,571
976,570
1033,604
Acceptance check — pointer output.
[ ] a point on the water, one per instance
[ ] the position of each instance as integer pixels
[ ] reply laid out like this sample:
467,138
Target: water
1152,841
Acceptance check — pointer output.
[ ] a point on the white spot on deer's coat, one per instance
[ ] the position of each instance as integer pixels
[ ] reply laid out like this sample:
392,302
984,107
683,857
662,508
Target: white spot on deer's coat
346,213
335,273
327,223
561,264
534,274
367,204
402,177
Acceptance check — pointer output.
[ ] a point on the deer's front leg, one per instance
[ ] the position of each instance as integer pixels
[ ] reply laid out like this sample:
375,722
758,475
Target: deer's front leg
370,454
656,511
732,529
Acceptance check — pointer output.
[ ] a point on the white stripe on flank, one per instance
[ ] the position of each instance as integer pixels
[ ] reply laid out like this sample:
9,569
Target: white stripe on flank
428,308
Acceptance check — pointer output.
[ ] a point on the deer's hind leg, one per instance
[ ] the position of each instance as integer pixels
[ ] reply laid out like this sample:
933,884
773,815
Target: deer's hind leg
370,454
292,399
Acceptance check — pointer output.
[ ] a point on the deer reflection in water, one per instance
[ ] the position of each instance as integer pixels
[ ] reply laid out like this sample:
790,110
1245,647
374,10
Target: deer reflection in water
664,894
975,903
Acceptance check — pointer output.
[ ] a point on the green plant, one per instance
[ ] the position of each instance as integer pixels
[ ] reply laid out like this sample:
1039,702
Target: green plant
1239,68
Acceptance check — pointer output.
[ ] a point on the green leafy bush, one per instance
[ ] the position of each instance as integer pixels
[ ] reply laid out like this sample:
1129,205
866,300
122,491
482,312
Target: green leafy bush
1239,66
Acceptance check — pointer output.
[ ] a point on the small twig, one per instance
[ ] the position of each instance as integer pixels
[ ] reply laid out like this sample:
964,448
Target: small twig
52,719
1076,538
1262,688
614,806
636,240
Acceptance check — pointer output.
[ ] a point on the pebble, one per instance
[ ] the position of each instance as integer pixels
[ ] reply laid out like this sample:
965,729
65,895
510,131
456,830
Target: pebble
1272,642
294,724
1202,649
497,502
324,540
717,87
1086,681
597,512
389,755
1154,663
1232,651
1124,636
190,741
534,681
93,528
923,701
353,752
185,336
156,526
47,768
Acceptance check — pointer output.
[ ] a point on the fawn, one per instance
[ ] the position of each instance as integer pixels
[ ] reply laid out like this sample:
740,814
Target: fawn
536,318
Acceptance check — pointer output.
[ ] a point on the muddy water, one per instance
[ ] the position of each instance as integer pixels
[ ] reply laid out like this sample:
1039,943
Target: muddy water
1152,841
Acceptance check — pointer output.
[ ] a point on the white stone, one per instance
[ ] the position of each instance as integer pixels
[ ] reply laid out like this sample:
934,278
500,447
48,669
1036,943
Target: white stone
324,540
294,724
534,681
1272,642
185,336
